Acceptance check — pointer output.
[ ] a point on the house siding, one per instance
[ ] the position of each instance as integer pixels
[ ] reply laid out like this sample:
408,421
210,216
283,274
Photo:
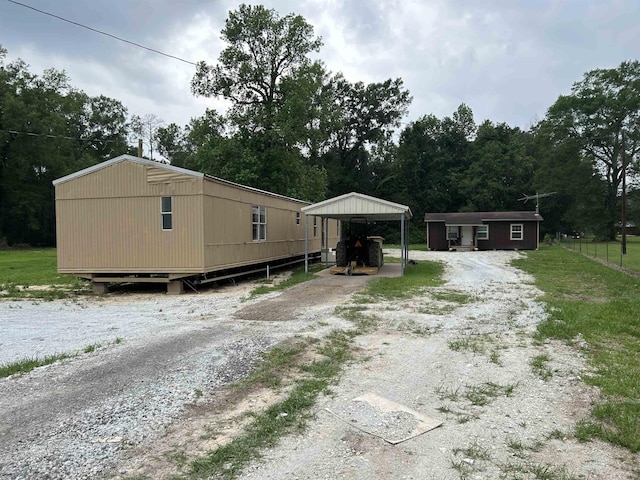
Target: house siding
437,239
500,236
499,227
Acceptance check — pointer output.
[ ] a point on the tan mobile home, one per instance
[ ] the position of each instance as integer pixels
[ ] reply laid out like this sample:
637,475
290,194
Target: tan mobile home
134,220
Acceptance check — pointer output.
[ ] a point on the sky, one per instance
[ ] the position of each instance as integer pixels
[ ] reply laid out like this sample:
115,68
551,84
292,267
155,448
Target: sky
508,60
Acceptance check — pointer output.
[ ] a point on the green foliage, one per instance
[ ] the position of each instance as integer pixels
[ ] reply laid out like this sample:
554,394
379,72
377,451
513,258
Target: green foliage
602,114
500,170
594,305
64,130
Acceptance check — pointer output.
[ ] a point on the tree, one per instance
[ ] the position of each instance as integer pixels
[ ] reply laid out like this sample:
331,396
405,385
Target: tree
360,117
264,51
561,167
48,129
146,128
431,157
602,113
263,72
499,170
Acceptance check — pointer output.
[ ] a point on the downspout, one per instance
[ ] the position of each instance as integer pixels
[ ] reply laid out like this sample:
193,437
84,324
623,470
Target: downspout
325,234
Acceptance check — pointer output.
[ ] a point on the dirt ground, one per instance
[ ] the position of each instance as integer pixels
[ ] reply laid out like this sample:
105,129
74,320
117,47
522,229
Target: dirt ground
458,355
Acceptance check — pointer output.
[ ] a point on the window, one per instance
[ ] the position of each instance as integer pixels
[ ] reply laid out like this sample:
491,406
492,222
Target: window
452,233
259,223
166,212
315,227
297,218
483,232
516,231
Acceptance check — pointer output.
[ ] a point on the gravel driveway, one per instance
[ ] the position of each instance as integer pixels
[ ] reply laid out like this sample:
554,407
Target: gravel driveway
459,354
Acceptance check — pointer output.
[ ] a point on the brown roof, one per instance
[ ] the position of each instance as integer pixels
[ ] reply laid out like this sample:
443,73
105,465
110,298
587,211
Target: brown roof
478,218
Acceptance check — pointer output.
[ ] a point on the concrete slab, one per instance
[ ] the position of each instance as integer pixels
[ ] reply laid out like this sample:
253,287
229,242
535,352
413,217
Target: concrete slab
384,418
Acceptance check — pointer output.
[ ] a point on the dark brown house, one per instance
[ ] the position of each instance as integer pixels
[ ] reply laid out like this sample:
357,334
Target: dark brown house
483,230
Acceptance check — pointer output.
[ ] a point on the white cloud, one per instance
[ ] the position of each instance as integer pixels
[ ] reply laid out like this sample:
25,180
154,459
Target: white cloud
507,60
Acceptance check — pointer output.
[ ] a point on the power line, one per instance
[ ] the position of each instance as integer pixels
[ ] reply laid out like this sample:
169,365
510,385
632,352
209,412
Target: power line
46,135
101,32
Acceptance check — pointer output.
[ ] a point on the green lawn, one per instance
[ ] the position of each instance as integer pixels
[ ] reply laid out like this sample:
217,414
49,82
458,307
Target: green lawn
31,267
22,269
593,302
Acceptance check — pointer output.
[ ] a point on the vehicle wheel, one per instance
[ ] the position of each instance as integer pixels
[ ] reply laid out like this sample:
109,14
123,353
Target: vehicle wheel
375,255
341,254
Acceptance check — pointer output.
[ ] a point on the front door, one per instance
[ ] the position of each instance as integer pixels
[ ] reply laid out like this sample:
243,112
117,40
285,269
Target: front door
466,233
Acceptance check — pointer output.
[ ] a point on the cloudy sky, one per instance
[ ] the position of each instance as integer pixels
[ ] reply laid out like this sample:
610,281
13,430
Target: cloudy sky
507,59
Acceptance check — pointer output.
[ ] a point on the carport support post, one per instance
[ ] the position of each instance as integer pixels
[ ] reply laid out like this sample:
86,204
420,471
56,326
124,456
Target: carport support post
306,243
402,252
406,255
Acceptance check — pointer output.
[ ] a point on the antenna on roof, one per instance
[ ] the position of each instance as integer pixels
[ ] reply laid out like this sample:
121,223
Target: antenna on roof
537,196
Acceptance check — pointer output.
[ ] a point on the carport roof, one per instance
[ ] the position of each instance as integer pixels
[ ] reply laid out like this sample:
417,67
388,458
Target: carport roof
358,205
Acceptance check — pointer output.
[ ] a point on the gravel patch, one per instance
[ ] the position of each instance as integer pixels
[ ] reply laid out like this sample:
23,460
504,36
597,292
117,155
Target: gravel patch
459,354
465,362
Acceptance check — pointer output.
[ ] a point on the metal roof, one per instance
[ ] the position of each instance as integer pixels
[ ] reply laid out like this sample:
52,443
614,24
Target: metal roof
358,205
480,218
166,166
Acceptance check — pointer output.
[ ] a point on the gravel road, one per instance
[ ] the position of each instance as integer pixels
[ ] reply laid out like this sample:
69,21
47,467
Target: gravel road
458,354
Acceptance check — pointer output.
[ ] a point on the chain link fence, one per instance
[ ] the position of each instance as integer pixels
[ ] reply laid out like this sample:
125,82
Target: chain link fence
608,252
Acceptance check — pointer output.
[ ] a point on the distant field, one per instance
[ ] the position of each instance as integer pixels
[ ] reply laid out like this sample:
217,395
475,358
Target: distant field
30,268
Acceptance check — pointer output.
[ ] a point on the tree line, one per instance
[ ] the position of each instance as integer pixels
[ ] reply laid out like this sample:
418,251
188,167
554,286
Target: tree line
298,129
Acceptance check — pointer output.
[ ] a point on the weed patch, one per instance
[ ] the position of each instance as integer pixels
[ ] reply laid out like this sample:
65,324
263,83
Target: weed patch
26,365
298,276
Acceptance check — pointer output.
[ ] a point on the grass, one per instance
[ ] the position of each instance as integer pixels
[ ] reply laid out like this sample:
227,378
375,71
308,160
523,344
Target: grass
609,251
598,305
540,366
22,269
415,278
297,276
26,365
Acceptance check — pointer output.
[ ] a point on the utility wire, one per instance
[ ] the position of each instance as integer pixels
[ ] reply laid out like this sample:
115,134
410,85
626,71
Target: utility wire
102,33
45,135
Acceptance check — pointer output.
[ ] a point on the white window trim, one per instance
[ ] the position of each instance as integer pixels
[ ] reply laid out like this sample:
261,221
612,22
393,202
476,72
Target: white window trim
485,237
315,227
168,213
298,218
450,230
262,225
521,232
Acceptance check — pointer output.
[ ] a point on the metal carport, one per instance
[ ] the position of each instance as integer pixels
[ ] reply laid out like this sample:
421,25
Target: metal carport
359,205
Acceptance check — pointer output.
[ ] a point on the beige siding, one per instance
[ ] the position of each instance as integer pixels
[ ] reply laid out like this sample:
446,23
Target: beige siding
109,221
128,179
228,227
